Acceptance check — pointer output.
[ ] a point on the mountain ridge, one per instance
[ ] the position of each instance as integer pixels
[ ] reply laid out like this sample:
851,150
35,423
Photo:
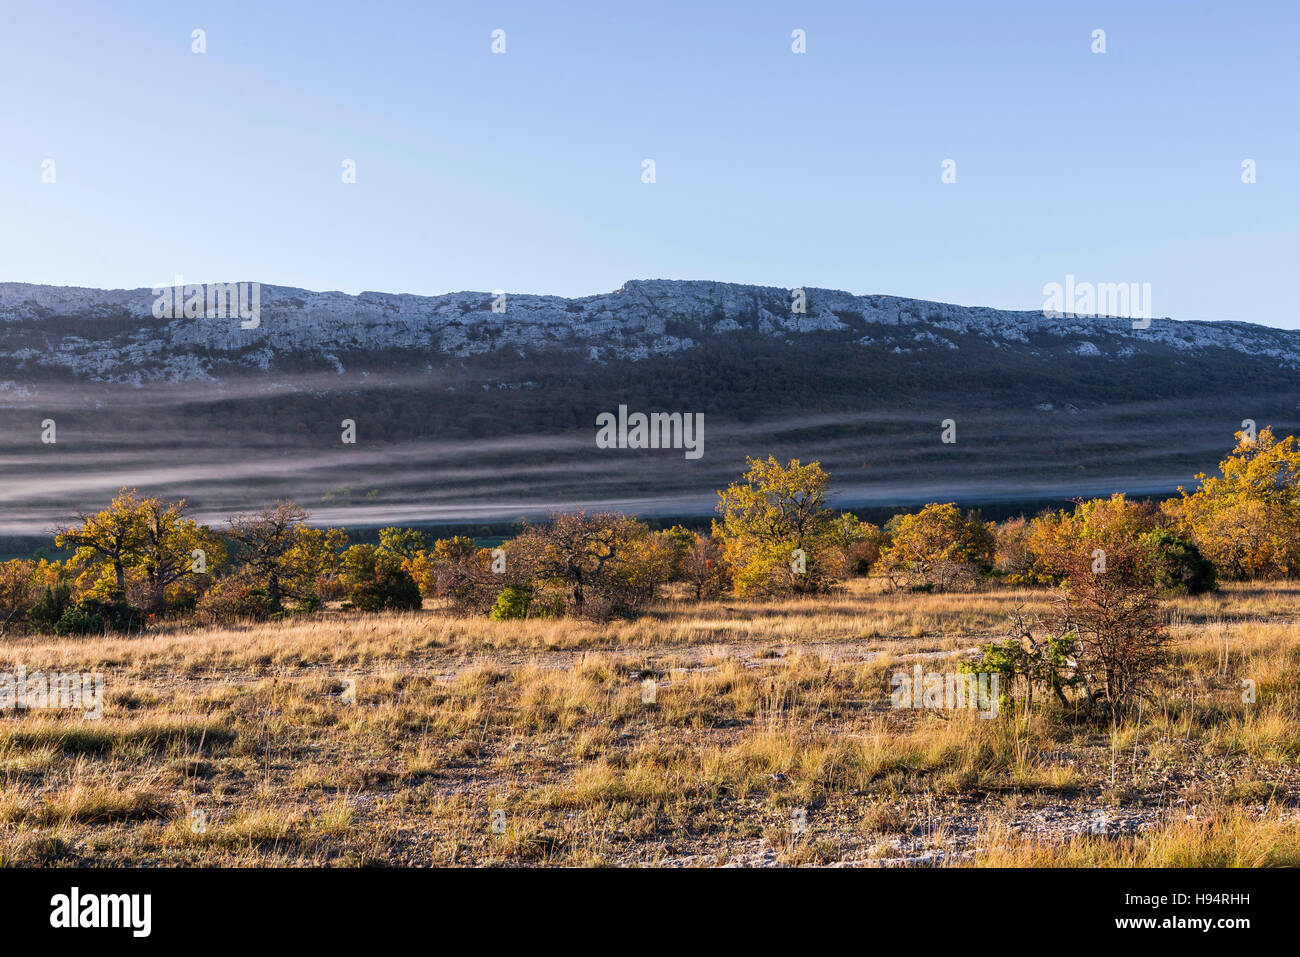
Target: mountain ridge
113,335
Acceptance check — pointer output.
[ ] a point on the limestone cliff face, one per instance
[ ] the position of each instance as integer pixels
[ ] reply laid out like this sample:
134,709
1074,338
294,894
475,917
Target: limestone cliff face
113,336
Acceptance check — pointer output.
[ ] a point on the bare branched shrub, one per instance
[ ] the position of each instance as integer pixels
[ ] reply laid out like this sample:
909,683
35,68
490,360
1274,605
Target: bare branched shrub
1112,609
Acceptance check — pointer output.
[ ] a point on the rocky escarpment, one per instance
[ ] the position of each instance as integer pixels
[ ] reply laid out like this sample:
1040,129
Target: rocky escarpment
114,336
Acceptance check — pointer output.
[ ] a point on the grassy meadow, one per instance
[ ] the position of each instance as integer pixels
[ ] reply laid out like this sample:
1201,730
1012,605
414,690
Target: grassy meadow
767,738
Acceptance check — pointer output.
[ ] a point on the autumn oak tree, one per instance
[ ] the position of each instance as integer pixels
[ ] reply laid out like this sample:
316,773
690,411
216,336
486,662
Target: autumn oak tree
174,548
774,528
939,547
111,539
283,552
604,563
1247,519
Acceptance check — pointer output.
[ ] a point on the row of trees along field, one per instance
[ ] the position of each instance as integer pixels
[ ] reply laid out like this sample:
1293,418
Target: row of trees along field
143,559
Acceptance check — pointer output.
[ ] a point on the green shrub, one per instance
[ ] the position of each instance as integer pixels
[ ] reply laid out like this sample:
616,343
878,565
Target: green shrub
392,589
1039,664
97,616
512,603
1178,565
45,614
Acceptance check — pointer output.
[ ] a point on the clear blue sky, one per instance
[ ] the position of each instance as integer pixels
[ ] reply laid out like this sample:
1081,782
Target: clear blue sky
523,171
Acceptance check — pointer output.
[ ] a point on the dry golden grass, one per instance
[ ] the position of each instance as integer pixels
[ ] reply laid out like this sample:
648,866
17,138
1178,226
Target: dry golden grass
421,739
1221,839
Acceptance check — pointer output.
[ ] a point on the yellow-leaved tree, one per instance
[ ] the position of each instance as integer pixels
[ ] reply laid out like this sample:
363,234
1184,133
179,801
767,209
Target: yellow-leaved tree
1247,519
775,528
938,547
109,541
1058,539
144,549
175,550
22,582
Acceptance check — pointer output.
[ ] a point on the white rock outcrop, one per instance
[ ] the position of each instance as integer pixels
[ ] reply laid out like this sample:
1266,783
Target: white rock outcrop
112,335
